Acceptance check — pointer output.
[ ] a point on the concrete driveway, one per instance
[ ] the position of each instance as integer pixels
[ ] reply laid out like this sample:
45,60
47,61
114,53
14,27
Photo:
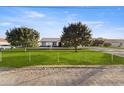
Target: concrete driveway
118,52
2,69
76,76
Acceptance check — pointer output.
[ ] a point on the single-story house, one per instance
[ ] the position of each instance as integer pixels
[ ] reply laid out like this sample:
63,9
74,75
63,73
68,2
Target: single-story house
115,42
50,42
4,42
55,42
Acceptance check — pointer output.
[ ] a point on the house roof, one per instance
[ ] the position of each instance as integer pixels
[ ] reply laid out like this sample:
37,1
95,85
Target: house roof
114,40
106,40
3,40
111,40
50,39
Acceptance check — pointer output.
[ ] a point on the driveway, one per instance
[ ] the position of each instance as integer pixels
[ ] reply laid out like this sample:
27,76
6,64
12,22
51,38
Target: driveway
63,76
118,52
2,69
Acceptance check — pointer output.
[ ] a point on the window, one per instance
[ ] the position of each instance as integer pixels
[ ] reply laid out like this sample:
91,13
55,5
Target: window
43,43
54,43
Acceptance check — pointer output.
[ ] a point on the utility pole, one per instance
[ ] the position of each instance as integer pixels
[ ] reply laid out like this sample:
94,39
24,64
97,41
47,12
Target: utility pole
0,55
29,53
112,57
58,58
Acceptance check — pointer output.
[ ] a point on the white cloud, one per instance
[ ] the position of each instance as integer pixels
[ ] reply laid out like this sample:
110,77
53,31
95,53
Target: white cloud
89,22
97,26
5,23
120,28
93,22
34,14
66,12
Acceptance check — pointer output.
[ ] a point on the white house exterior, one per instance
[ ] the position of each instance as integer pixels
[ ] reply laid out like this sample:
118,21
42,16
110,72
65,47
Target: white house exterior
55,42
116,42
4,42
50,42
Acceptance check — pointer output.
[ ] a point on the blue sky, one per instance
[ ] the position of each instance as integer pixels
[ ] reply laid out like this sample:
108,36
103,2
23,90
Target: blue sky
106,22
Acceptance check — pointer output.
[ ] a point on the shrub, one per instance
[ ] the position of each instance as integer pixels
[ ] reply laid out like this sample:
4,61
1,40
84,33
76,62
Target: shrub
97,42
107,44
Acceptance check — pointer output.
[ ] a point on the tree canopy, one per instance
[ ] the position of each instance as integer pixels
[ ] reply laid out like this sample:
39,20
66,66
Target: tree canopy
22,36
98,42
76,34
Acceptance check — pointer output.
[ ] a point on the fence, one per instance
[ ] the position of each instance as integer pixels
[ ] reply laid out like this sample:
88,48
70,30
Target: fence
0,56
59,57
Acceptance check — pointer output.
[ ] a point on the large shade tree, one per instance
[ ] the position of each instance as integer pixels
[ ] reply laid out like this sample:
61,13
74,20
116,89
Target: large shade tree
23,36
76,34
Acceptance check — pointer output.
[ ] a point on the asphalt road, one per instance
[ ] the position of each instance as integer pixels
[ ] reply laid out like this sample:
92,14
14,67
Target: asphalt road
118,52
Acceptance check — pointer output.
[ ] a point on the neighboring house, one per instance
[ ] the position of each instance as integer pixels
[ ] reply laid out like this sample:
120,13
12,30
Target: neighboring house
55,42
4,42
115,42
50,42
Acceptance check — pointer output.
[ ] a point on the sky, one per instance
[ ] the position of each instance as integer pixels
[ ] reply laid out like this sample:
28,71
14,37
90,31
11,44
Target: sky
104,21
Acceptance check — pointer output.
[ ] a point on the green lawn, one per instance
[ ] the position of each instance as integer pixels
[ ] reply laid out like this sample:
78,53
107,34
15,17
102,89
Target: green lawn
19,58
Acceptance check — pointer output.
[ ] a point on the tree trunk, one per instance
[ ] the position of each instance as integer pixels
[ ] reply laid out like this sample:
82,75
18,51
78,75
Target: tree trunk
25,49
75,48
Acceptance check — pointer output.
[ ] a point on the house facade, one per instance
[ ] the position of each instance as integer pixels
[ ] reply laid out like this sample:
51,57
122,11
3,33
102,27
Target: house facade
55,42
115,42
50,42
4,42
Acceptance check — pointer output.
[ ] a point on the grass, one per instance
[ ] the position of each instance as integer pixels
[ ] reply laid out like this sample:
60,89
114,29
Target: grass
20,58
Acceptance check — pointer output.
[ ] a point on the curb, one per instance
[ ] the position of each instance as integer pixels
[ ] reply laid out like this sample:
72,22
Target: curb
75,66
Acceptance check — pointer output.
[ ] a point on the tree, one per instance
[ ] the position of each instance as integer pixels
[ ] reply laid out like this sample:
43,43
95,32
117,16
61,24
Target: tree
76,34
22,36
107,44
98,42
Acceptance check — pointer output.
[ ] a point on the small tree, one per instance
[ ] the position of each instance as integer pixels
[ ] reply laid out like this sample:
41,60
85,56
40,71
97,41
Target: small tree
107,44
76,34
22,36
97,42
